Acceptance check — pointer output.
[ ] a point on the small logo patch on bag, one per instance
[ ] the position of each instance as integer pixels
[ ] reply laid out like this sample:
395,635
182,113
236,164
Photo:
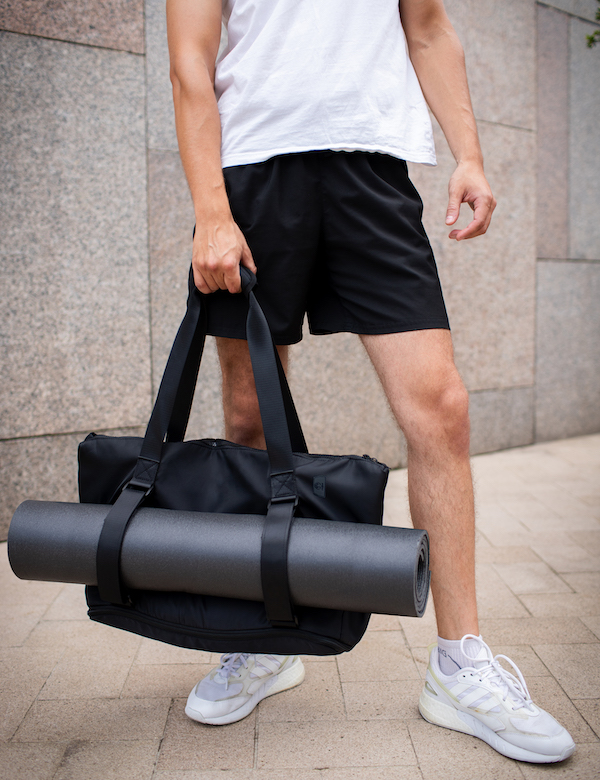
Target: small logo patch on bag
319,486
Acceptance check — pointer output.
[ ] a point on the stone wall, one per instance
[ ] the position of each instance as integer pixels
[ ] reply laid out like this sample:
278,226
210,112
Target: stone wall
96,220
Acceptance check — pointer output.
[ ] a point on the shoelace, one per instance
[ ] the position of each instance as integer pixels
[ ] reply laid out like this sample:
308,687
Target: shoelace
231,663
511,687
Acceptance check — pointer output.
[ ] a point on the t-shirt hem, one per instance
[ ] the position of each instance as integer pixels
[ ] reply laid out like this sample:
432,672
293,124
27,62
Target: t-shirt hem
250,158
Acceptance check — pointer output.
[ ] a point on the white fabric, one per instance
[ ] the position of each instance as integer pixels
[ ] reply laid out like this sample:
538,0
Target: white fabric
457,654
301,75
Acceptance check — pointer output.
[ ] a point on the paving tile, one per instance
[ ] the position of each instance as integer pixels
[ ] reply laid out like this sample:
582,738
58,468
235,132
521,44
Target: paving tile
453,756
559,604
524,538
337,744
18,622
509,554
583,765
86,637
547,693
531,578
571,558
384,623
22,676
420,632
593,623
87,677
18,592
69,604
421,659
576,667
209,747
104,720
174,680
381,655
21,762
494,597
346,773
536,631
590,710
108,761
153,652
589,540
395,700
524,657
319,697
588,582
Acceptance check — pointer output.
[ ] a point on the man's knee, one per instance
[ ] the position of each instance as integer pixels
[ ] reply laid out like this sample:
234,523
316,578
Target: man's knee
441,414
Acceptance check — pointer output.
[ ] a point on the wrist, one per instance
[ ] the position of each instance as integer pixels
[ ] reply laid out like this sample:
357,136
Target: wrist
212,205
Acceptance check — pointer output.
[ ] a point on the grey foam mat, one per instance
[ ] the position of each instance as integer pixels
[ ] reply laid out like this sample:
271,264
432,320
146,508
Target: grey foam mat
358,567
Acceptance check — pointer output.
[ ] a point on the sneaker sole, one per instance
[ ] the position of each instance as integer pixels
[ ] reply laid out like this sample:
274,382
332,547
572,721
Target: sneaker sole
448,717
285,680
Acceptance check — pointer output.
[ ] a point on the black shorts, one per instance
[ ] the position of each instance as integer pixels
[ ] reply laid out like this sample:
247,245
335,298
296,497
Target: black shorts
337,235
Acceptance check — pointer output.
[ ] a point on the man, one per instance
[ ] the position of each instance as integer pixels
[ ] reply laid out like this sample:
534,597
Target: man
294,147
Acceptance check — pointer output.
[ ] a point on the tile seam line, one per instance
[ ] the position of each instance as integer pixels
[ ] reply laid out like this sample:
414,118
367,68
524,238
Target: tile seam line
501,389
85,432
588,260
565,13
73,43
505,124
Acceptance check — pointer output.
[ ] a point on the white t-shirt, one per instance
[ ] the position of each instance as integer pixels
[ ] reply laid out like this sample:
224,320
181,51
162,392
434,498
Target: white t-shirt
301,75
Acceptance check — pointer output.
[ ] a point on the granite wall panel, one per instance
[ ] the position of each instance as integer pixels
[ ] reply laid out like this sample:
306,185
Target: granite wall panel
161,117
489,281
553,133
111,24
568,335
499,43
586,9
501,419
41,468
74,295
584,142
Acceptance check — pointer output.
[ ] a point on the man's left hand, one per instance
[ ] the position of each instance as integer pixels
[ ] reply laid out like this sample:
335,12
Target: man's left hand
469,185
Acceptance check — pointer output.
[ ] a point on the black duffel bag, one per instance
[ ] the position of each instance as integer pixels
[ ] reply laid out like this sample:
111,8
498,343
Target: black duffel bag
212,475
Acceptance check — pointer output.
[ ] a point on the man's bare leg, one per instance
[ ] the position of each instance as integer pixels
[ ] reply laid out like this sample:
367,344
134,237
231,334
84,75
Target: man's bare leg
430,404
240,403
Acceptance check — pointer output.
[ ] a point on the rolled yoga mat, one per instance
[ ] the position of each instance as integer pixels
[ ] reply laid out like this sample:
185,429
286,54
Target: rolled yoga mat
336,565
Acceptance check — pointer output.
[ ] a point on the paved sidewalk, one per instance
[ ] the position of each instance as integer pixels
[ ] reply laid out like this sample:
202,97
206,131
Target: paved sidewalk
81,701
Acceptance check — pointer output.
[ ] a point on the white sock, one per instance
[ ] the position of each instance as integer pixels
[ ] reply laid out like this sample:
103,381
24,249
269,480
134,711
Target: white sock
451,657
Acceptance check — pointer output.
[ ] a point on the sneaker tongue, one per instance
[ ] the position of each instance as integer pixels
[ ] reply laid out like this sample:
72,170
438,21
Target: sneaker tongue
481,658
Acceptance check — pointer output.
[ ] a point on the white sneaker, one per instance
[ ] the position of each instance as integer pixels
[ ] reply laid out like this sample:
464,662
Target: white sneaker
488,702
233,689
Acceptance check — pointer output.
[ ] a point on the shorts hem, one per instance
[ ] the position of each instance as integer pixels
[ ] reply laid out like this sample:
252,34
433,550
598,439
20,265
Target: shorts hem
379,330
227,333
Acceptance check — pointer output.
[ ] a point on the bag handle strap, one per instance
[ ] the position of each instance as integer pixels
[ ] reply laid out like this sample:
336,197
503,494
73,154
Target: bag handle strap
176,393
183,403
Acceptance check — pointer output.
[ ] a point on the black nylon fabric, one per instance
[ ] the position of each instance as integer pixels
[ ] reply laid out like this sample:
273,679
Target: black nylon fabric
214,475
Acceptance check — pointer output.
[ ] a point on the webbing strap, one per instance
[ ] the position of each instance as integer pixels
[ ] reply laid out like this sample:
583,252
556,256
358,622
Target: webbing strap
273,564
108,554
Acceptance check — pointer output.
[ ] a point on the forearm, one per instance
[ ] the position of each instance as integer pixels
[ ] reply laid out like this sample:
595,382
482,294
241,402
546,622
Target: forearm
199,137
438,59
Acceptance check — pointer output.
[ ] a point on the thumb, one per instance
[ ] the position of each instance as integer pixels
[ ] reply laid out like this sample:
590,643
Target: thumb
453,209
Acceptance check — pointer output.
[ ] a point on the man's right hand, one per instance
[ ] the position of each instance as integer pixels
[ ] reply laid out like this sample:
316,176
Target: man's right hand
219,249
